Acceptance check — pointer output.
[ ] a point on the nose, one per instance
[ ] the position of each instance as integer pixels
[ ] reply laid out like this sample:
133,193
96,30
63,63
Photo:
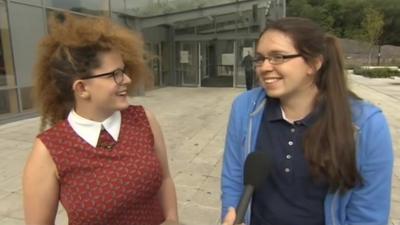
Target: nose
127,79
266,65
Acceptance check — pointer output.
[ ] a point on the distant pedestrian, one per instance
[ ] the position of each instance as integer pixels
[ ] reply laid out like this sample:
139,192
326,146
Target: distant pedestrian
331,152
104,159
247,63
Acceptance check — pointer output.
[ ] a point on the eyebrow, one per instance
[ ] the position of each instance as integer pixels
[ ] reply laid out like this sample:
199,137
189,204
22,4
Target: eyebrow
112,71
118,68
274,52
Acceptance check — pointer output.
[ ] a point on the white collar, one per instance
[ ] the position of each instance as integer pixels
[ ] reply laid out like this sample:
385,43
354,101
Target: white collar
89,130
284,116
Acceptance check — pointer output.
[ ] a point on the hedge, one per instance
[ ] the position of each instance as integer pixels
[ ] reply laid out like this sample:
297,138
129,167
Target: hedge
377,72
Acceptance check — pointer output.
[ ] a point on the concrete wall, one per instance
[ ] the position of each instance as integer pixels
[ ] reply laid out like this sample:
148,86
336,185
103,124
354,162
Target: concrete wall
357,53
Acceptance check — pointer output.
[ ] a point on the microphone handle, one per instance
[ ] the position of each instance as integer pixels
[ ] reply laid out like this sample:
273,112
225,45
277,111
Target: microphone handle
243,204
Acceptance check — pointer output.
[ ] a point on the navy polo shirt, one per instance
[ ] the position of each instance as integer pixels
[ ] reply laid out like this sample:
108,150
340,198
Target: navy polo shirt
289,196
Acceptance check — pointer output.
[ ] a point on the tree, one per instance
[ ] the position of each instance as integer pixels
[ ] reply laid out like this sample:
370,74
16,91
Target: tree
348,22
372,26
344,17
391,29
301,8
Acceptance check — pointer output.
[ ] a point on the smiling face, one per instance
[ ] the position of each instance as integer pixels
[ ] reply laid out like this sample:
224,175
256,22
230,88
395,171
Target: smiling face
101,96
293,77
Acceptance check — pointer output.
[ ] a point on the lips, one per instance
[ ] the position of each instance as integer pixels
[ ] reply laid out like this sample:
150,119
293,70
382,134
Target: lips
271,80
122,93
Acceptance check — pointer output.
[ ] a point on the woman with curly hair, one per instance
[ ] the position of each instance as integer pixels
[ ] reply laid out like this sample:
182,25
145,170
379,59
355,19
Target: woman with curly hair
104,159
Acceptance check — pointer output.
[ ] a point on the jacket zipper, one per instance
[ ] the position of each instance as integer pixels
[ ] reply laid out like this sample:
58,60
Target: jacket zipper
248,149
333,207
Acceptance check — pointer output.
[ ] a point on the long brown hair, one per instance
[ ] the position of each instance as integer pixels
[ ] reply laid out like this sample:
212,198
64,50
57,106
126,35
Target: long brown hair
329,144
71,50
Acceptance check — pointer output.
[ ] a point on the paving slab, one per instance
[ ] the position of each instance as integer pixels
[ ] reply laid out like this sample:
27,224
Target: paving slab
194,122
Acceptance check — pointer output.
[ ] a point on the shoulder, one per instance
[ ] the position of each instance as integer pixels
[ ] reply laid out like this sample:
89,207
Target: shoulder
373,130
150,117
133,108
364,112
139,111
250,97
154,125
249,101
39,147
54,131
134,112
40,159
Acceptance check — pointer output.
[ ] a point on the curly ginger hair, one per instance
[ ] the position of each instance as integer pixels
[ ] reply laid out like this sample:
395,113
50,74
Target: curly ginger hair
70,51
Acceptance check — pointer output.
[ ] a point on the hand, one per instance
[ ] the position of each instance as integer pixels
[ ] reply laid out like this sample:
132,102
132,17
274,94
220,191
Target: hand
230,217
170,222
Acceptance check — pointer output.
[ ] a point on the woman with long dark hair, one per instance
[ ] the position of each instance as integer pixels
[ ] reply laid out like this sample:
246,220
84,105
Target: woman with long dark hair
330,152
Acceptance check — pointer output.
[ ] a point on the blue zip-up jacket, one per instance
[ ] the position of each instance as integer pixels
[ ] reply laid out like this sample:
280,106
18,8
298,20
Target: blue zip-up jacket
364,205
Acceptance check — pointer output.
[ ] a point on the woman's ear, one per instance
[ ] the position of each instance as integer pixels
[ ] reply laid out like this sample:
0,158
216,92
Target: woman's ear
80,89
315,65
318,62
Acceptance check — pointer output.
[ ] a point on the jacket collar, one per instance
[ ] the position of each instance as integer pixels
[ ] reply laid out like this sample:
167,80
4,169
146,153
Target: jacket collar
258,101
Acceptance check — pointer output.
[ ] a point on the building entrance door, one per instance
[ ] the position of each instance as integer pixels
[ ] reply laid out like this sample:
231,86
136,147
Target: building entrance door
187,63
217,63
243,47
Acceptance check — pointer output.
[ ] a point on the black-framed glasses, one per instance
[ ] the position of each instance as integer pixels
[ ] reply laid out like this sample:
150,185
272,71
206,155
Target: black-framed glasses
273,59
118,76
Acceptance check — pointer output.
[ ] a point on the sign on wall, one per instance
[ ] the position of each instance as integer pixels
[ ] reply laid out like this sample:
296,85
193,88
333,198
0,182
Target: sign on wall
228,59
184,57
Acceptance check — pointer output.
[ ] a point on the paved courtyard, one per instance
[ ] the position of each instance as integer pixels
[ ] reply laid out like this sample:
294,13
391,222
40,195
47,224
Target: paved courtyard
194,123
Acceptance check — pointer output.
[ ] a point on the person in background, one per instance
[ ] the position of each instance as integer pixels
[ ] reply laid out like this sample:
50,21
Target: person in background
247,63
104,159
331,152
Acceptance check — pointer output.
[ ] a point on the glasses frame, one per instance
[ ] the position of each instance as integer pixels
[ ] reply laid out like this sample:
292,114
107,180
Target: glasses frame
112,73
281,59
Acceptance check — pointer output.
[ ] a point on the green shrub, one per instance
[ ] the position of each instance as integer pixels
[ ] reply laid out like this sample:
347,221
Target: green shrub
350,66
377,72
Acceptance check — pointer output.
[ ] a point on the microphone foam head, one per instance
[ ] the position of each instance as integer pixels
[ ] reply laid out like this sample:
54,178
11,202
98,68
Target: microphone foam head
256,168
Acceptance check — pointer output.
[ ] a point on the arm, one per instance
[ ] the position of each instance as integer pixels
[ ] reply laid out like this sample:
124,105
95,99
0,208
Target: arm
40,187
232,167
370,203
167,191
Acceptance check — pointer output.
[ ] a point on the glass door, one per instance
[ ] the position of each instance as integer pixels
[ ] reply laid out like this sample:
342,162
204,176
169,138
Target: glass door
8,92
156,63
243,48
217,64
187,63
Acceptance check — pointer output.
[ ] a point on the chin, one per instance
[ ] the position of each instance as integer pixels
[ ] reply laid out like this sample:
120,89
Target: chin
273,94
122,106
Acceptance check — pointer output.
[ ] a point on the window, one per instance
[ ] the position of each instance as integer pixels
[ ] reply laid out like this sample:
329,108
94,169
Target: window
94,7
8,93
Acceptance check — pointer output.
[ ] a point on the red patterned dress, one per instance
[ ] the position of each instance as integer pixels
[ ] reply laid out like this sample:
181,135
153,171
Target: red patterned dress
102,187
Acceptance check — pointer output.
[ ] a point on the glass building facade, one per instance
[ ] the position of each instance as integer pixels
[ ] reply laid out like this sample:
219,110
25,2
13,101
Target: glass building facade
195,42
9,98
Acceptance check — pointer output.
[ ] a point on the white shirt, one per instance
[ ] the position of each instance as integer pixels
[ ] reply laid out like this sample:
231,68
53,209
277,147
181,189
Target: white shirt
89,130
